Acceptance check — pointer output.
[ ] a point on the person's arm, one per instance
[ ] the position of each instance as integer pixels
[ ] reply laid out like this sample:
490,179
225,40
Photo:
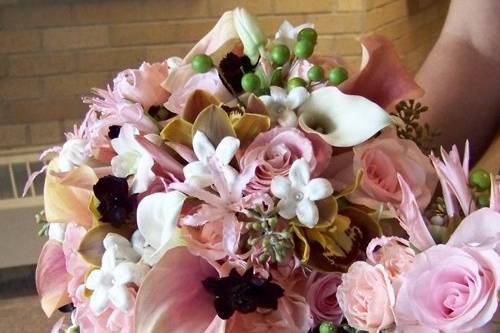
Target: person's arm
461,76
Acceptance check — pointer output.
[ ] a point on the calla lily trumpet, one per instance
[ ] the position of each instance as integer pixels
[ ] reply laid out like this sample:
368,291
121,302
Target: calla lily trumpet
250,33
341,120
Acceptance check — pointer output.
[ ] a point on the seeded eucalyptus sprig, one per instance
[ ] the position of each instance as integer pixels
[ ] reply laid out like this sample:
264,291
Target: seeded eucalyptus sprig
409,112
41,221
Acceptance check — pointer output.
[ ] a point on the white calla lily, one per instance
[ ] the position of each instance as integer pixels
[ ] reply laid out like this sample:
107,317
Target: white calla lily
157,216
132,159
341,120
197,173
281,105
249,32
298,193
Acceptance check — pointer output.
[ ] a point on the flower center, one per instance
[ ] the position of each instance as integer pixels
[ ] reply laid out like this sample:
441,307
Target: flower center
298,196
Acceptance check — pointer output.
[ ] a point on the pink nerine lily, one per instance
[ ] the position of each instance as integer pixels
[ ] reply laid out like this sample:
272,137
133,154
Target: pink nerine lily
453,177
411,219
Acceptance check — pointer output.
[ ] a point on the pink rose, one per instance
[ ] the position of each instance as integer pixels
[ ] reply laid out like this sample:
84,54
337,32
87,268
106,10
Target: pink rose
143,85
322,298
208,81
381,160
449,289
393,253
277,149
366,297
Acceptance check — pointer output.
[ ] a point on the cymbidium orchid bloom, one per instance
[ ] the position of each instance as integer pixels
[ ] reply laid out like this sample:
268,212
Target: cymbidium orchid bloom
298,193
341,120
250,33
119,268
197,172
132,159
282,106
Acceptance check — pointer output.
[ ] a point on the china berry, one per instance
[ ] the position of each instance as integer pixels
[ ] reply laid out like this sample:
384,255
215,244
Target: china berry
337,75
308,34
479,178
303,49
201,63
250,82
295,82
327,327
316,73
280,54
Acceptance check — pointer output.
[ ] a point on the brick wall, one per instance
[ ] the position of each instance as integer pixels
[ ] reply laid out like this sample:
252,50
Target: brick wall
52,52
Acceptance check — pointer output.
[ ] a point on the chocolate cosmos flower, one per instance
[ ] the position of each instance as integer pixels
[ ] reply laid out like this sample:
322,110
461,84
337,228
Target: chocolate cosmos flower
232,68
115,204
242,293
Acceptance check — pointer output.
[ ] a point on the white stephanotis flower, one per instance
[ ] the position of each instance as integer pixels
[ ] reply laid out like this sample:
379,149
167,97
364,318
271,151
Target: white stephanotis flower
298,193
120,266
72,154
173,63
281,105
197,173
132,158
287,33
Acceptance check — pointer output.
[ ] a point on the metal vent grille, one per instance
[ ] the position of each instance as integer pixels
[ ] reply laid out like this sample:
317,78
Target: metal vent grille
15,168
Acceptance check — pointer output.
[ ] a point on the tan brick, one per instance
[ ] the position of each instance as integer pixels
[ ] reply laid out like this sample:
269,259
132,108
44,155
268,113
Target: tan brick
13,41
41,64
74,84
168,9
160,53
110,59
270,24
159,33
352,61
4,66
48,132
396,29
338,23
33,16
386,14
378,3
12,135
19,88
351,5
92,12
75,37
34,110
217,7
338,45
301,6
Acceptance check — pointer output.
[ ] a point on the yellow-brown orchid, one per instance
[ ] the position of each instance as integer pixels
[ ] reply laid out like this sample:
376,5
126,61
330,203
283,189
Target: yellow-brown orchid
206,113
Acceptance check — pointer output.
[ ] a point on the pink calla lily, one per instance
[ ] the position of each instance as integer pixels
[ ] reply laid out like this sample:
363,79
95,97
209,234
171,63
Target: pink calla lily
52,277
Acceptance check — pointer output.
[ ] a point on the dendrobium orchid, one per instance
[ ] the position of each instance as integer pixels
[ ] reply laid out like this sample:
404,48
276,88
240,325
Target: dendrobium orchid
197,173
132,159
120,266
298,193
282,106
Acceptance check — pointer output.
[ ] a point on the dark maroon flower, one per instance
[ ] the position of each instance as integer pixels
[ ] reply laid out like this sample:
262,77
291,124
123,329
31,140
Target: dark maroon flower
115,204
232,68
114,131
242,293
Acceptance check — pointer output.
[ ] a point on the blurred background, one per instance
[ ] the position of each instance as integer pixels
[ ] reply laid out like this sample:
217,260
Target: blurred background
53,52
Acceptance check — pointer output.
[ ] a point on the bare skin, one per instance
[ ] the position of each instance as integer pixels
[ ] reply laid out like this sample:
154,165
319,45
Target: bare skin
461,76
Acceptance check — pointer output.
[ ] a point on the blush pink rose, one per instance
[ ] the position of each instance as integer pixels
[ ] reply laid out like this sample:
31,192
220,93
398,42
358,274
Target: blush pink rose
381,160
143,85
322,297
208,81
450,289
393,253
366,297
277,149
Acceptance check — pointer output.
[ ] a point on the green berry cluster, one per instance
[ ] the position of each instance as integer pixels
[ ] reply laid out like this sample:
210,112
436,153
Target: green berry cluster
479,180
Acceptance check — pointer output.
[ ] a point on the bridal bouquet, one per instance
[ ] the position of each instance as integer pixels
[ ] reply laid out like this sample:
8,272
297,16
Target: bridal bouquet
253,186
